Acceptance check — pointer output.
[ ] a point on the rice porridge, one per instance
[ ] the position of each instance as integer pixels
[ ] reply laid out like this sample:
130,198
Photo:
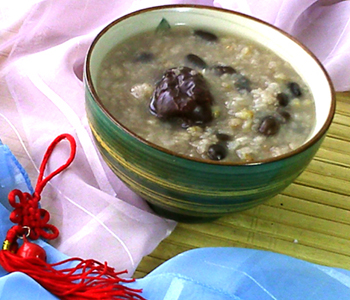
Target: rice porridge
206,95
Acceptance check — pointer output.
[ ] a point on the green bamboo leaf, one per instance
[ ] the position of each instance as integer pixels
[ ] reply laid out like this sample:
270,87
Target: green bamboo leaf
163,26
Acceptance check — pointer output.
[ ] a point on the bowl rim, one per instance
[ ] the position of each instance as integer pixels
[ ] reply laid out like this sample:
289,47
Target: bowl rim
317,136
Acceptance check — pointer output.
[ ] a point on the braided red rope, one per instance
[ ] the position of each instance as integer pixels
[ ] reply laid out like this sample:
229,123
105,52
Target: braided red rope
89,279
27,213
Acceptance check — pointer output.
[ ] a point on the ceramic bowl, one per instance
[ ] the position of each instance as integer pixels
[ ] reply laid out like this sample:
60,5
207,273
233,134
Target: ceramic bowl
187,189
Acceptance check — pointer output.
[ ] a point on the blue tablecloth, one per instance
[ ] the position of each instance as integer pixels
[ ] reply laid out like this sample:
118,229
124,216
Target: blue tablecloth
243,274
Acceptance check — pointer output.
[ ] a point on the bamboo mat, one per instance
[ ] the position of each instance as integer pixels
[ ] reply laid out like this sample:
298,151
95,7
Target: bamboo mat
310,220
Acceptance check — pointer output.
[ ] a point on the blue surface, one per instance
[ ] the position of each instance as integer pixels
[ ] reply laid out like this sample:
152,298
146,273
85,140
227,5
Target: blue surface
244,274
12,175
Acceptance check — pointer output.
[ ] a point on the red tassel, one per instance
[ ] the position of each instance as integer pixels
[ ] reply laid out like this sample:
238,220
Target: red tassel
89,279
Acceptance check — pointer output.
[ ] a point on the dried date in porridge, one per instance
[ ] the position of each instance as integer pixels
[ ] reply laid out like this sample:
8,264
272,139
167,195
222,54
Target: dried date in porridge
206,94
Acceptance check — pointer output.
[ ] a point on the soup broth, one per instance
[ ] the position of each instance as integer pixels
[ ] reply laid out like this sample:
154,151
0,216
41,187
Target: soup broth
257,106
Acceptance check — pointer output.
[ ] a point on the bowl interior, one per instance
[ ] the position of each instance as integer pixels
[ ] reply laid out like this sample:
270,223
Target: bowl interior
215,19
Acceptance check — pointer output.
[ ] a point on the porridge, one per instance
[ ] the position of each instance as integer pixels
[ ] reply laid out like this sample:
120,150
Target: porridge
206,95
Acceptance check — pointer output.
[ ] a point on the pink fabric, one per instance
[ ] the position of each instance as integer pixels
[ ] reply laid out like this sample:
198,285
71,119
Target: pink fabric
322,25
98,216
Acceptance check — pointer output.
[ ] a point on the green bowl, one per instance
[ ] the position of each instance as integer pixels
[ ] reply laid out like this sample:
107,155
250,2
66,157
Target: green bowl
194,190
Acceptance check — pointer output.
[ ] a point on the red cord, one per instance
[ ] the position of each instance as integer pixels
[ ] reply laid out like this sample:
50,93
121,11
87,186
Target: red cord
27,213
43,181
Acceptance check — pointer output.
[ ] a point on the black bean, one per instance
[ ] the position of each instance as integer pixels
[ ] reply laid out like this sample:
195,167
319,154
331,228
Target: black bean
284,116
196,61
269,126
282,99
242,83
205,35
144,57
223,137
294,89
221,70
217,152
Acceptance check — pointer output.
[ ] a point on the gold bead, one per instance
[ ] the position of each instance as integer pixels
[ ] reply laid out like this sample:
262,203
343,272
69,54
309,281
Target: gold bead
6,245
